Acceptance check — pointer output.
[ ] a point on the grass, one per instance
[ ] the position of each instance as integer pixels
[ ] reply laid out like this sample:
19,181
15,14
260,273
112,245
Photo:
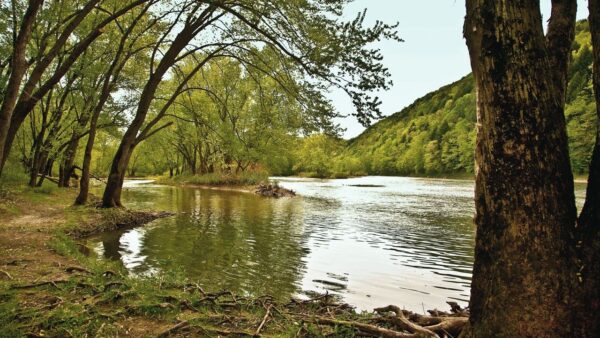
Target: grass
218,179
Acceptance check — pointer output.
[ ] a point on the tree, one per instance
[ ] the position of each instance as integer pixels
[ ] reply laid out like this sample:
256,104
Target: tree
131,43
589,219
315,155
18,68
525,267
329,53
56,46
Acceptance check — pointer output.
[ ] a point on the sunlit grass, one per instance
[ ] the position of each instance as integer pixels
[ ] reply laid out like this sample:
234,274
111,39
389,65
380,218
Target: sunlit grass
219,179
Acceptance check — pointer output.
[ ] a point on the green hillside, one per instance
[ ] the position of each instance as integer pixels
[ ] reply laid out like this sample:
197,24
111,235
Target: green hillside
436,134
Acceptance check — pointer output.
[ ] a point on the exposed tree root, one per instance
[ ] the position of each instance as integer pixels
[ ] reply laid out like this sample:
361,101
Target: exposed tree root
6,274
171,330
72,269
257,333
370,329
35,285
403,323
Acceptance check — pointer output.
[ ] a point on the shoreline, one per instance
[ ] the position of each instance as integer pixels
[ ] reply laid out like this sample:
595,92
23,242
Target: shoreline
270,189
49,287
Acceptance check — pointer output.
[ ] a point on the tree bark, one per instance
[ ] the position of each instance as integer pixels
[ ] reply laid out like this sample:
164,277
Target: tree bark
18,69
69,159
589,219
524,267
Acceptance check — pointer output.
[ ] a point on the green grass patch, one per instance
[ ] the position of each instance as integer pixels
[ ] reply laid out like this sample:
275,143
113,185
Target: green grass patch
218,179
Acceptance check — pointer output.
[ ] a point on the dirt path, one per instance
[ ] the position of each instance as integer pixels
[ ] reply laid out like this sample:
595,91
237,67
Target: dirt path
24,238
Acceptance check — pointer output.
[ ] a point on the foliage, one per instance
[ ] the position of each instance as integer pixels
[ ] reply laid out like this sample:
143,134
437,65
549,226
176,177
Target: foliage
320,156
436,134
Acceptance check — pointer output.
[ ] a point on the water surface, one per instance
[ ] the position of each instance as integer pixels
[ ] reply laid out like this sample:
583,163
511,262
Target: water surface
373,240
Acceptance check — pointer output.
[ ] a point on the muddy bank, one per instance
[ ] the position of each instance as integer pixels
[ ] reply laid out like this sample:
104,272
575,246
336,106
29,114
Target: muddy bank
115,220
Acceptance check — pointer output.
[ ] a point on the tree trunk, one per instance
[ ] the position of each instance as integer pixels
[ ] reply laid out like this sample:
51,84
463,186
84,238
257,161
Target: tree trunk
18,69
589,219
525,206
84,181
69,160
112,193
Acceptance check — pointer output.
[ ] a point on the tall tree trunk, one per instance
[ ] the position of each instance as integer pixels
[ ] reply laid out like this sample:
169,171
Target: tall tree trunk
589,219
69,159
112,193
18,69
525,206
41,168
84,181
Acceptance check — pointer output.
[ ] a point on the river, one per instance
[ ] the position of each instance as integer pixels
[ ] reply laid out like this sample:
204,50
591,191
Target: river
373,241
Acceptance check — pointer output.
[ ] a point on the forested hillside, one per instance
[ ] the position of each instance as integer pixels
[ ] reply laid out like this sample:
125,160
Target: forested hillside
436,134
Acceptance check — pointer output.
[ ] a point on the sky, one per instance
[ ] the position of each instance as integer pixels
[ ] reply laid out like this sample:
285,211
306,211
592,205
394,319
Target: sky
432,55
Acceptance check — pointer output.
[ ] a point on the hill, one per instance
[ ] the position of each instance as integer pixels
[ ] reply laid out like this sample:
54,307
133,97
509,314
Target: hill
436,134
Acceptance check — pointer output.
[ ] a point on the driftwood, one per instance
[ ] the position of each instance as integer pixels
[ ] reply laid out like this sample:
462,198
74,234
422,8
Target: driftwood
257,333
273,190
428,326
367,328
403,323
6,274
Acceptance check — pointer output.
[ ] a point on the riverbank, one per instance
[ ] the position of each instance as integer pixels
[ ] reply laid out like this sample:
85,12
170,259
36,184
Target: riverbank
49,287
250,182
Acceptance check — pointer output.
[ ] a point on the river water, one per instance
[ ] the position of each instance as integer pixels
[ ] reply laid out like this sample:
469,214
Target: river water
373,241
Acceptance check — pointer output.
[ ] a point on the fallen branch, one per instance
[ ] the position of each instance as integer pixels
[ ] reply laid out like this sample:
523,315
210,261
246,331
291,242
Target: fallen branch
72,269
6,274
257,333
370,329
169,331
35,285
51,179
402,322
449,325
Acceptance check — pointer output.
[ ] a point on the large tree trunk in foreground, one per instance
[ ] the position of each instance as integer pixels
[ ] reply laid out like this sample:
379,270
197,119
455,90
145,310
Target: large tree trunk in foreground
589,219
18,68
524,266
